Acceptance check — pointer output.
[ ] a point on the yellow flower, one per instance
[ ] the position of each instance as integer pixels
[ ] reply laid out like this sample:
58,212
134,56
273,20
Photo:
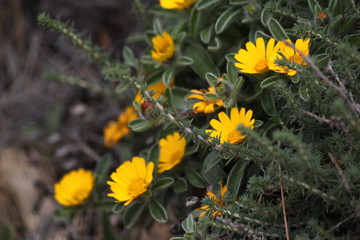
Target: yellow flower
130,180
291,55
172,150
158,88
226,128
255,59
176,4
205,105
163,47
115,130
218,201
74,187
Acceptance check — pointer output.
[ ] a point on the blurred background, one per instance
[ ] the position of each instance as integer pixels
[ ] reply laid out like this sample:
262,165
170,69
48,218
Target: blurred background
48,128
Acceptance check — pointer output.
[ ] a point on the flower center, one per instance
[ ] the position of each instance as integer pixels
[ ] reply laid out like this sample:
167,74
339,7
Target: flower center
261,66
235,137
137,187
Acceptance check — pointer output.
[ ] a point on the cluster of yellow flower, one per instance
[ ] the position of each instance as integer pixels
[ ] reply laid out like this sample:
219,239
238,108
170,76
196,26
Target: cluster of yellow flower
133,178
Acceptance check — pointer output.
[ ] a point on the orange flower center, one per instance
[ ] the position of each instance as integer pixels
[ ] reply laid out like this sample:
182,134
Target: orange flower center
262,66
137,187
235,137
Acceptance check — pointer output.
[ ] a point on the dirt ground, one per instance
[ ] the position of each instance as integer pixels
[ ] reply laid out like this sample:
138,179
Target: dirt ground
48,128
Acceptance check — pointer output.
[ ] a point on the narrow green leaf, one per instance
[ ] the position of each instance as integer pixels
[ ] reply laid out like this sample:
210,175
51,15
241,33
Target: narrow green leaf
203,4
265,17
304,92
334,8
102,168
184,61
226,18
258,123
231,58
195,178
261,34
235,177
277,30
129,57
190,150
211,79
194,21
189,224
108,232
270,81
238,2
203,63
147,60
119,207
322,59
178,238
132,213
162,183
180,185
211,160
216,45
140,125
231,71
268,103
157,26
168,75
211,96
169,96
206,34
157,211
314,5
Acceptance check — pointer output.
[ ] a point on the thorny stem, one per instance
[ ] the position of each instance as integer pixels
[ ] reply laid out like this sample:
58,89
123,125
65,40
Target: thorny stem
341,90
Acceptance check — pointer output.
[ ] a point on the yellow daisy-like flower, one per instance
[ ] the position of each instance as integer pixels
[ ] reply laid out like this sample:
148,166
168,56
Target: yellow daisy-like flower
226,128
255,59
158,88
130,180
163,47
176,4
74,187
291,55
116,130
218,201
172,150
205,105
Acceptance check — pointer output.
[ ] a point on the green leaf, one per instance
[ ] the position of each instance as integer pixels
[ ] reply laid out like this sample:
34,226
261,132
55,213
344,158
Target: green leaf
211,96
304,92
169,96
147,60
206,34
267,102
102,168
132,213
184,61
216,45
65,213
105,205
226,18
211,160
211,79
178,238
157,211
139,125
119,207
108,231
258,123
277,30
334,7
180,185
314,5
189,224
190,150
238,2
232,72
194,21
162,183
203,4
235,177
261,34
231,58
168,75
203,63
195,178
6,233
270,81
129,57
266,15
157,26
322,59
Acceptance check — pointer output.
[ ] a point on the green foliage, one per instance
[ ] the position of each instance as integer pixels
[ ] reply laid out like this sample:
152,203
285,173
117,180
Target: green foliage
302,156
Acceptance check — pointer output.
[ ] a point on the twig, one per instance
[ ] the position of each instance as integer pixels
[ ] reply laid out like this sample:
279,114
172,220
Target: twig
341,223
284,208
341,90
